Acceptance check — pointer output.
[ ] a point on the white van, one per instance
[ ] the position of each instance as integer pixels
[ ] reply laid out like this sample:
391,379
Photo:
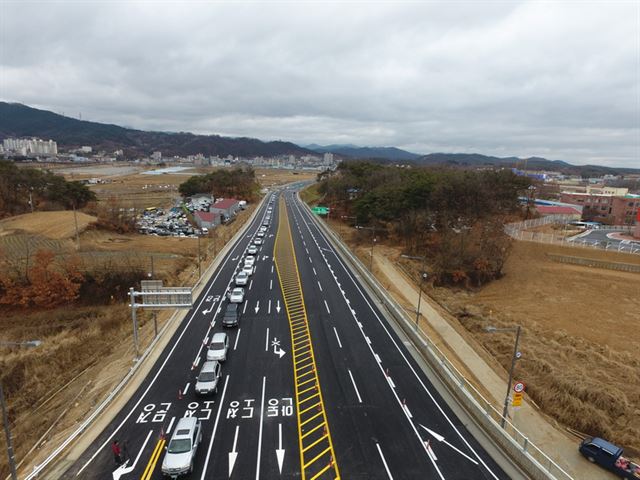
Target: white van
182,447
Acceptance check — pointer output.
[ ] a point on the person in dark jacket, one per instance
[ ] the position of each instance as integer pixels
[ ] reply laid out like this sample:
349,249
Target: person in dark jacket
117,452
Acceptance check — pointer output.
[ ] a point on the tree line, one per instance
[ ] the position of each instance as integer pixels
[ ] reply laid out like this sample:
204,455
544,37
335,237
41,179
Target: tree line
19,186
239,182
453,217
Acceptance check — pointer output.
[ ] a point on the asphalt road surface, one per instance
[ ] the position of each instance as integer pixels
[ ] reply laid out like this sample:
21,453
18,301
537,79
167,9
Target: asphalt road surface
604,239
352,403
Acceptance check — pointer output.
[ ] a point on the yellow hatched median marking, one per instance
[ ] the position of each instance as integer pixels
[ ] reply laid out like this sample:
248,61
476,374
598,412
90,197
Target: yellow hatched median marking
317,457
146,475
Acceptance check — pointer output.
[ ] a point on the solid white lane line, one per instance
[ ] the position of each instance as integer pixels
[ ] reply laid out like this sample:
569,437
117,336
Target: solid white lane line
266,342
215,427
384,462
320,286
327,307
264,383
235,344
337,337
168,431
186,388
355,387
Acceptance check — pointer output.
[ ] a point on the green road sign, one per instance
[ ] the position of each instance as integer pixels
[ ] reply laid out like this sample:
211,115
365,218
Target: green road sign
320,210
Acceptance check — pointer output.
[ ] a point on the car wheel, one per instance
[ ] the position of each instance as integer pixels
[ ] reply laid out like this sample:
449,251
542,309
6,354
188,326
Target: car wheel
591,459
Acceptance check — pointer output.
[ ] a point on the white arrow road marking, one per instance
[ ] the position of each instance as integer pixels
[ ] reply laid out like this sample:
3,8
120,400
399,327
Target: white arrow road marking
278,306
280,450
278,351
440,438
257,306
123,469
233,454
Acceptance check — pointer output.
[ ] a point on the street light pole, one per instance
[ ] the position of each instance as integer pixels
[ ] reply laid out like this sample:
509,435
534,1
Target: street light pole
423,277
514,357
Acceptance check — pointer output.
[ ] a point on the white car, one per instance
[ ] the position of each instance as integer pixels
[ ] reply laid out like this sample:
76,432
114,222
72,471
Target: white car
252,250
236,295
257,241
250,260
248,269
242,278
263,228
260,234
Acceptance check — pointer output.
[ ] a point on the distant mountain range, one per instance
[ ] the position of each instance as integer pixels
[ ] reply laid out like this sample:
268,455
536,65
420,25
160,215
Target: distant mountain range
353,151
17,120
22,121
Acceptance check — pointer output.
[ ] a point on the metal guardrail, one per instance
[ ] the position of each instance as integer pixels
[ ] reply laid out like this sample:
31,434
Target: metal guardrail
514,443
589,262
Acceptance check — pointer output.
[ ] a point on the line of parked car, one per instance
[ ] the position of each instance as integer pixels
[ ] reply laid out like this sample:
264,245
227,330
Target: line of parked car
187,436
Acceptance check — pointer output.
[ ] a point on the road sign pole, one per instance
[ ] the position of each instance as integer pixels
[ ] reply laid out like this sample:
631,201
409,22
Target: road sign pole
134,320
513,365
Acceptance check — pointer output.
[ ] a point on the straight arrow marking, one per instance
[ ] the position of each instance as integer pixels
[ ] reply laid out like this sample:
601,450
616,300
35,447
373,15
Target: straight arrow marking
257,306
233,454
280,450
440,438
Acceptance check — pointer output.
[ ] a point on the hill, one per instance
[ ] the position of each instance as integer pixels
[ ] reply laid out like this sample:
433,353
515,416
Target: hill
353,151
22,121
478,160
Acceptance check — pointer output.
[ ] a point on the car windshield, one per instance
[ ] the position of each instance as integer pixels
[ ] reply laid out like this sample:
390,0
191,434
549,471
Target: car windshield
179,445
217,346
206,377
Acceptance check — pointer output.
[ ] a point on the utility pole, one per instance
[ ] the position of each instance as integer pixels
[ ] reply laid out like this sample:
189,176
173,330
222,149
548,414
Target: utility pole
423,277
199,264
7,432
135,322
75,220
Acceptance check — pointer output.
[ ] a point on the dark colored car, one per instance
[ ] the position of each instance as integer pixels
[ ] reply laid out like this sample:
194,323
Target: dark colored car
232,315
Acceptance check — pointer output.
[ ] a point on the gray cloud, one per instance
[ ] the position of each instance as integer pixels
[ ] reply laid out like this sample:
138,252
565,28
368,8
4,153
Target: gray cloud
555,79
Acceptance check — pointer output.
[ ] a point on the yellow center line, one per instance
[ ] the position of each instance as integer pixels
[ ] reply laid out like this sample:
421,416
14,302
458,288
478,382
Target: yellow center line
148,471
317,455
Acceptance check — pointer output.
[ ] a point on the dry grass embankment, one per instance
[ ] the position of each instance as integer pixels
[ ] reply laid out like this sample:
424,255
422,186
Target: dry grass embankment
579,343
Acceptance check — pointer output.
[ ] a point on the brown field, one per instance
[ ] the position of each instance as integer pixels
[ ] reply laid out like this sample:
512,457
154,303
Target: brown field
54,225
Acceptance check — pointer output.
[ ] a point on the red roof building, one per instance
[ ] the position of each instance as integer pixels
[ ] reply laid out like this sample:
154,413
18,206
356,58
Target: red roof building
207,219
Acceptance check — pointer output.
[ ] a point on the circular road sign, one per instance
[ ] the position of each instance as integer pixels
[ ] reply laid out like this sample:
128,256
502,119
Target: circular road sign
518,387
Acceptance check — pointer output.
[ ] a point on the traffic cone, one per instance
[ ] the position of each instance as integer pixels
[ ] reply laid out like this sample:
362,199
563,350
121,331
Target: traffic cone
179,394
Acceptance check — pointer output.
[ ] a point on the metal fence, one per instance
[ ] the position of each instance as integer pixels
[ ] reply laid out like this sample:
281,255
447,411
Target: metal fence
531,458
520,231
589,262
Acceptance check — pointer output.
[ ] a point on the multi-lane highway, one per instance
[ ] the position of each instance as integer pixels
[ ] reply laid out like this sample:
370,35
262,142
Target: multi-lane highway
316,383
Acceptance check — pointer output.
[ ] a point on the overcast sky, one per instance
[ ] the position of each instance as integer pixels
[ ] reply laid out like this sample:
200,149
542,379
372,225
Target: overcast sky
555,79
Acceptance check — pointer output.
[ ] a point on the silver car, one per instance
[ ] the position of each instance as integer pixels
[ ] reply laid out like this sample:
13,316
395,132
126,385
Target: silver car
182,448
207,379
218,347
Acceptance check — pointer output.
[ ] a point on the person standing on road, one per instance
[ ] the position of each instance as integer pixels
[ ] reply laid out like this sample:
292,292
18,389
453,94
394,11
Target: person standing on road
117,452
